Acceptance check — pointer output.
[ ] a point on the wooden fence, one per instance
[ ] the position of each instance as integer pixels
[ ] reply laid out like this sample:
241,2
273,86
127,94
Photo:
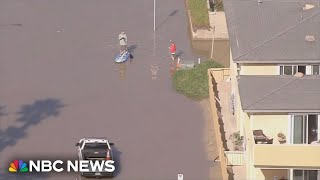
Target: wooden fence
219,74
215,117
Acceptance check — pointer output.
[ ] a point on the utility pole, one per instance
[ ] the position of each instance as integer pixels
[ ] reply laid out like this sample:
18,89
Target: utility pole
214,28
154,15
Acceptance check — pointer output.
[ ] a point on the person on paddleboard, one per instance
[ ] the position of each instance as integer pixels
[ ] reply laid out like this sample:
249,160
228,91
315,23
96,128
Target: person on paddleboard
123,42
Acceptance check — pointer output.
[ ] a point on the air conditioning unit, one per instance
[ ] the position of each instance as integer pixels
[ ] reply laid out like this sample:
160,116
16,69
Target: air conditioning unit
187,64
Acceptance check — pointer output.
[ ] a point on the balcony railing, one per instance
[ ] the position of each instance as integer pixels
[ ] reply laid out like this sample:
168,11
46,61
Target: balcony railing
287,155
235,158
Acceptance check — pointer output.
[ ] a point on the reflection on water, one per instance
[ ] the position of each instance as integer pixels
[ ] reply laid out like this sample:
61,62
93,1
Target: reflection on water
122,70
173,68
154,71
221,50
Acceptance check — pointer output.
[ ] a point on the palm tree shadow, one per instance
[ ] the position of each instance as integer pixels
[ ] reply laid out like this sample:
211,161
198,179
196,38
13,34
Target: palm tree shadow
2,111
174,12
30,115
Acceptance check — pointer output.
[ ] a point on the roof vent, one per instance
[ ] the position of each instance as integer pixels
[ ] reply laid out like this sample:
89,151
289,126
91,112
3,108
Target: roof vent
259,2
310,38
299,74
307,7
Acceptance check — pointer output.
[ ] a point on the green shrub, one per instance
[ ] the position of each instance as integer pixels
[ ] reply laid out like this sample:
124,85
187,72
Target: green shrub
193,82
199,14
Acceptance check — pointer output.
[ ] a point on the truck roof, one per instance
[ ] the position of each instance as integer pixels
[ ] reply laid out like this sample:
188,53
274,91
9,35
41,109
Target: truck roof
95,140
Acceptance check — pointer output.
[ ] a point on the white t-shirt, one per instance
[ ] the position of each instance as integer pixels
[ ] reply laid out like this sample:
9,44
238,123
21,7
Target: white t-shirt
123,39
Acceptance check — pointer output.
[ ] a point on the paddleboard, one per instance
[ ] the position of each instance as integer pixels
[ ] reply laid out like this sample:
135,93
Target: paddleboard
120,58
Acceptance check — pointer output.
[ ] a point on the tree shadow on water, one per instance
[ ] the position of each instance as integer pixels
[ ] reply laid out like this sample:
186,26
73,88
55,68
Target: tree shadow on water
39,110
30,114
174,12
2,111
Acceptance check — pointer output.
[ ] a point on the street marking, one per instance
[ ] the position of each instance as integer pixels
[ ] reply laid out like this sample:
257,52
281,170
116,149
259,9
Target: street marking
180,176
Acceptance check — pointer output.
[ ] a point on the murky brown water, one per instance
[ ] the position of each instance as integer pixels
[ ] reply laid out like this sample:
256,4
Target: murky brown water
221,50
122,70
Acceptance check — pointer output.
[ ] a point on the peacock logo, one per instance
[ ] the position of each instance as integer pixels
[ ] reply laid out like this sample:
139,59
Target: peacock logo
18,166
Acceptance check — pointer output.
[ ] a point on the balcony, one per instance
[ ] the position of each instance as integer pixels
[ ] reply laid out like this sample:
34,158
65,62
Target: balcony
287,155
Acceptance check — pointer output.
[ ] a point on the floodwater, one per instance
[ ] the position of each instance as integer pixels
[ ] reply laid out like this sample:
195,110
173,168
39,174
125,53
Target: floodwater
62,85
221,50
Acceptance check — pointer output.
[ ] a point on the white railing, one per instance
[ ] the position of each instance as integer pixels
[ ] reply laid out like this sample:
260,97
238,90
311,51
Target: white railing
235,158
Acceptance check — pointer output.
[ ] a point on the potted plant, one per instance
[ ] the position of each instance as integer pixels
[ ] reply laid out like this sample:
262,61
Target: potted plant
237,141
281,138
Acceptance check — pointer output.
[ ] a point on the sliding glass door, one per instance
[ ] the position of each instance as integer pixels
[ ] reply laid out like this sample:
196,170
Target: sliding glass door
304,129
305,175
298,129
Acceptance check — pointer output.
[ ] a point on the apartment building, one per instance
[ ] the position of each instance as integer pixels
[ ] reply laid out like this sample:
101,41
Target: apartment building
275,60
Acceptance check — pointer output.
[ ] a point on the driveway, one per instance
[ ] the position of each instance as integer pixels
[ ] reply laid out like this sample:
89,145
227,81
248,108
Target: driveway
59,83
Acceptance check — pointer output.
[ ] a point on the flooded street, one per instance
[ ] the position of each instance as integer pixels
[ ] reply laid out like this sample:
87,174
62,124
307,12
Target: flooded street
60,83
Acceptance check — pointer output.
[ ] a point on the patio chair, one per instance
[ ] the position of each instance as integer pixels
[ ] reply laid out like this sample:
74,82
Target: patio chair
260,137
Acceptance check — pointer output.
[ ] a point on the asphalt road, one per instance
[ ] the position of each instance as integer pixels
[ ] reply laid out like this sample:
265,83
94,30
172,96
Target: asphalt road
59,83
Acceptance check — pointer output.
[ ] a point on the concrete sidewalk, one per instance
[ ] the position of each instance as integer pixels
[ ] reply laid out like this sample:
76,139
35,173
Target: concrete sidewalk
218,28
229,124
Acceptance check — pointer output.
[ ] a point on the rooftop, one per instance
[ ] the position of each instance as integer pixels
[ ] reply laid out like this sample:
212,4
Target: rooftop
274,31
280,93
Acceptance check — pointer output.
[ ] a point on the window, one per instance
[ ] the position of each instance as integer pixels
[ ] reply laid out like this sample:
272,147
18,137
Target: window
292,69
305,175
304,129
315,69
96,146
302,69
288,70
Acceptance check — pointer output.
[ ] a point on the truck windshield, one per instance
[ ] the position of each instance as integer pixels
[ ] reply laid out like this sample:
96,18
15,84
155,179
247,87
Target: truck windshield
96,146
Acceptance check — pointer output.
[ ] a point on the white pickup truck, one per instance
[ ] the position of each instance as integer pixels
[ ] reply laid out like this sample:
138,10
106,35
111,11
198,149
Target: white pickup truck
95,149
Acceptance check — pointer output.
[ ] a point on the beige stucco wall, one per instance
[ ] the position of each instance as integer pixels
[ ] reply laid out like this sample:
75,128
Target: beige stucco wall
249,142
234,87
272,124
242,119
259,69
268,174
287,155
233,73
